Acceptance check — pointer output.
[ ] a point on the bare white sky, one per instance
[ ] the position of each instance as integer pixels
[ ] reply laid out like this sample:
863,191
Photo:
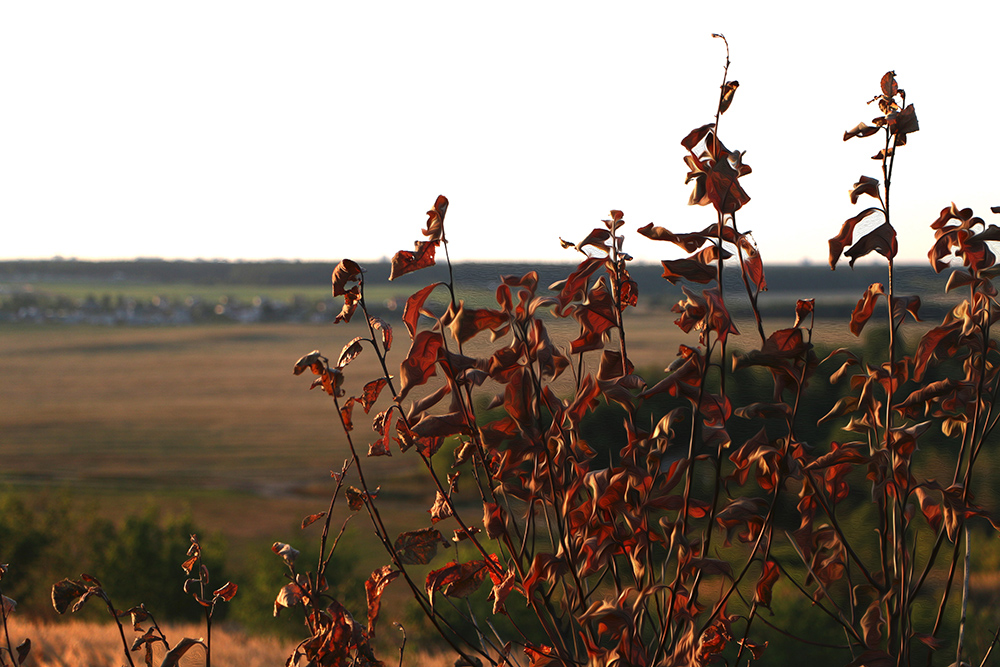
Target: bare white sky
322,130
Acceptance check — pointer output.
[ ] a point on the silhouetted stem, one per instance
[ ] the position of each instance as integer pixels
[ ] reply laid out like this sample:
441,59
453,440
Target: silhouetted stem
121,630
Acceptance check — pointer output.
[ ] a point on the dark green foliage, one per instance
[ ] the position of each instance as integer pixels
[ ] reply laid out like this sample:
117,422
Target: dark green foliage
137,560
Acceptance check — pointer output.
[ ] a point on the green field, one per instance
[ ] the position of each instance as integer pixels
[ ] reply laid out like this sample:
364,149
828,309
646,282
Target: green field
207,414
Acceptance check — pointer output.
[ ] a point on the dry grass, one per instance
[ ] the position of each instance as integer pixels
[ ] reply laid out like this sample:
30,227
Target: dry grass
80,644
77,644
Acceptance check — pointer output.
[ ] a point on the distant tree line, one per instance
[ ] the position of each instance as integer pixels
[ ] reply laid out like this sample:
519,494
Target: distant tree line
783,281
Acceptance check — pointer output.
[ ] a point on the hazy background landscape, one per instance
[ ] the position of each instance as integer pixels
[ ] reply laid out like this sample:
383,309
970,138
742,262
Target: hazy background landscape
144,400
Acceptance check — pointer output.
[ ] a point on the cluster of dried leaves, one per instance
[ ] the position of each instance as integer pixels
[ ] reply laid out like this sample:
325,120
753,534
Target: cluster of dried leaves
614,558
71,594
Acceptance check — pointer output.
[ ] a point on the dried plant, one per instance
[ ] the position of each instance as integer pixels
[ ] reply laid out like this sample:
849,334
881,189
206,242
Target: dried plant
666,550
71,594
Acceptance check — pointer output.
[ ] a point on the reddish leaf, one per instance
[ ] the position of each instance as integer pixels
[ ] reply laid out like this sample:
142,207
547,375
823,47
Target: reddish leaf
780,346
404,261
688,269
705,313
574,288
346,272
502,588
846,235
871,625
596,316
370,393
441,509
888,84
906,304
405,437
768,576
414,305
728,93
290,595
287,553
882,240
226,593
865,186
756,650
457,580
314,361
689,242
417,547
745,515
345,415
355,498
350,352
860,130
422,405
697,135
374,587
919,402
493,520
420,361
174,655
381,325
440,426
596,238
753,265
866,306
850,452
803,307
311,519
904,123
65,592
470,321
189,564
435,220
382,424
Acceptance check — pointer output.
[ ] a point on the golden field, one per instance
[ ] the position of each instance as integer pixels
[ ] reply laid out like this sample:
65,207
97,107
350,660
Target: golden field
78,644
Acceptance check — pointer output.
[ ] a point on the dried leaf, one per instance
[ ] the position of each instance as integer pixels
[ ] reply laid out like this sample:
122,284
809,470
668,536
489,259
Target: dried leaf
865,307
173,656
381,325
435,219
405,261
458,580
803,307
860,130
287,552
311,519
370,393
846,235
865,186
414,306
768,576
441,509
226,593
290,595
882,240
350,352
65,592
374,587
728,92
420,362
22,651
417,547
